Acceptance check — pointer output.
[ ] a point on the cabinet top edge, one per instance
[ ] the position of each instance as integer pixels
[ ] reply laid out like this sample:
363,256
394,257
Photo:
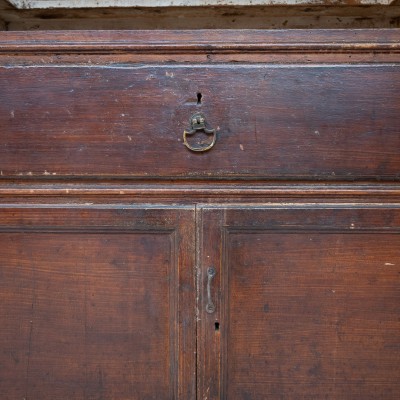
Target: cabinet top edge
57,4
201,40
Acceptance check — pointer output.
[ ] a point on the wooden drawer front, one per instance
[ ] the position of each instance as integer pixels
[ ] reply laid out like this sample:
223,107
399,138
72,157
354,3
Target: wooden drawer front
338,122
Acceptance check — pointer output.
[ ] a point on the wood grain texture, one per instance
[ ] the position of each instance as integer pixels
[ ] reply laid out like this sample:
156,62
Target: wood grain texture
108,223
201,46
254,17
44,4
228,40
274,122
114,114
308,304
188,192
99,307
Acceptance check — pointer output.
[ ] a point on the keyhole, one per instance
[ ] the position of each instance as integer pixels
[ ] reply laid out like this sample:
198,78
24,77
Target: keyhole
199,96
217,326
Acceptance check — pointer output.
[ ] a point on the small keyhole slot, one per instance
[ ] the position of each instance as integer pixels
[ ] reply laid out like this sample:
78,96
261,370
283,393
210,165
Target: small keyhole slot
199,97
216,325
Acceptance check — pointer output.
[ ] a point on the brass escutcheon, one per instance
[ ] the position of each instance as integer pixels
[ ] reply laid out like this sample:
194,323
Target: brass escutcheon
198,123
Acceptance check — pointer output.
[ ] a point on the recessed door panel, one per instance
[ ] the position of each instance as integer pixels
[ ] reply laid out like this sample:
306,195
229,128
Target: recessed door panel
307,304
90,311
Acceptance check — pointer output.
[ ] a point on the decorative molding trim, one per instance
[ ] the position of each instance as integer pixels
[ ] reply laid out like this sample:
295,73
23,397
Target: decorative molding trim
203,41
193,190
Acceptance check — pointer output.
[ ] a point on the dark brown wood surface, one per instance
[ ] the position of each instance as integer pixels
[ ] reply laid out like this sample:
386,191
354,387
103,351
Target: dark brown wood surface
97,303
228,40
307,303
276,122
108,223
324,119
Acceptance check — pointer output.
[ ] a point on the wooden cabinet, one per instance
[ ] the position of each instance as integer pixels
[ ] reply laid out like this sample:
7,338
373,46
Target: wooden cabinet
265,267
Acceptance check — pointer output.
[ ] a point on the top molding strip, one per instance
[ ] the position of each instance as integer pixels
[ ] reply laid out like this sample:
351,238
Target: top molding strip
203,41
51,4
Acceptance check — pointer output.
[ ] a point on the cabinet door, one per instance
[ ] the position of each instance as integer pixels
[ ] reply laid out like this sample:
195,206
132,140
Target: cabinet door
97,303
307,302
